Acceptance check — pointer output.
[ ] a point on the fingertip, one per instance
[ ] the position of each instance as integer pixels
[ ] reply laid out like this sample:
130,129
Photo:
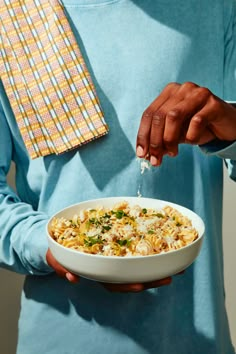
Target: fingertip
155,161
166,281
72,278
137,287
124,288
140,151
161,282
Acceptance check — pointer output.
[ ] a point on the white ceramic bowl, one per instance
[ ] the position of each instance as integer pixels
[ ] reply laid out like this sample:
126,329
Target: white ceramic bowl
129,269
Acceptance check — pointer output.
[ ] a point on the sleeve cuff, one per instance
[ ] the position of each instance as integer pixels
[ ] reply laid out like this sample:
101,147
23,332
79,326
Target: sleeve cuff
35,249
223,149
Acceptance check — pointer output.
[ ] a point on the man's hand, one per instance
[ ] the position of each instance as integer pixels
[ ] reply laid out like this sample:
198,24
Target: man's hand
136,288
124,288
184,113
59,269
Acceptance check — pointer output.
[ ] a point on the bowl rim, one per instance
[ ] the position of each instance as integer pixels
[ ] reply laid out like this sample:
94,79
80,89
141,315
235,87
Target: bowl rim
99,256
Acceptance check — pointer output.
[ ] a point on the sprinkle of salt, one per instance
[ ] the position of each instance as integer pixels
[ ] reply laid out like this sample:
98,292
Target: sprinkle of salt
144,165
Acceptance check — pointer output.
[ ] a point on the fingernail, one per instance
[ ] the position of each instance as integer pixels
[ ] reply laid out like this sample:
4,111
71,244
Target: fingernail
70,277
154,161
139,151
171,153
137,287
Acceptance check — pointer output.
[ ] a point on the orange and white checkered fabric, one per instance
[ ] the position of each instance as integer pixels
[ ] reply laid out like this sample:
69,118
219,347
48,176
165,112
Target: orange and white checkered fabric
46,80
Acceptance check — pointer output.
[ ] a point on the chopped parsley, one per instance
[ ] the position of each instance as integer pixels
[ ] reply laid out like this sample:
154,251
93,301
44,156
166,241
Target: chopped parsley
90,241
73,224
159,215
124,242
106,228
92,221
119,214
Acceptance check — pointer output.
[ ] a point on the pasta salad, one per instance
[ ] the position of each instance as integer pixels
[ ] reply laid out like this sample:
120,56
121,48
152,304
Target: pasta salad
124,230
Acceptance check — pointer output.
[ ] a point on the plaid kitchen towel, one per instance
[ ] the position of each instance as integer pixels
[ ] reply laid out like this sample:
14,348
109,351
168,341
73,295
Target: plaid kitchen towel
46,80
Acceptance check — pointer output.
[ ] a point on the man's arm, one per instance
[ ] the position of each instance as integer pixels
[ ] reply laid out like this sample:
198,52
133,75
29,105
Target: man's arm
23,242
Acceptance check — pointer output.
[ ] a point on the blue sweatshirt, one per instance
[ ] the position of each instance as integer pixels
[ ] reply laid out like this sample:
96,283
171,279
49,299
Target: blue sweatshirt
133,48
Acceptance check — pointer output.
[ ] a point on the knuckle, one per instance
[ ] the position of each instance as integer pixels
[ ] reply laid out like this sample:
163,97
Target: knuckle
173,114
172,85
198,120
214,103
147,115
204,92
141,137
168,140
158,118
156,146
188,85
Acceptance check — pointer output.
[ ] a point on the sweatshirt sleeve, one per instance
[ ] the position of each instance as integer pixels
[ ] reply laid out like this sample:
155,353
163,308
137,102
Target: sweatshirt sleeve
224,149
228,151
23,242
230,51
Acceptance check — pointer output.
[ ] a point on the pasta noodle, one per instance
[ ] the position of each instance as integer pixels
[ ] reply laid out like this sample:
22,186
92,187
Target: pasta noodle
124,230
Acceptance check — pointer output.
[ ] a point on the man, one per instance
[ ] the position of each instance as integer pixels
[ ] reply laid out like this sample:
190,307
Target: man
133,50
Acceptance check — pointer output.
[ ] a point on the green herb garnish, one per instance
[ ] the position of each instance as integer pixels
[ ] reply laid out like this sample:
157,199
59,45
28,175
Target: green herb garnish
92,221
90,241
120,213
159,215
151,232
106,228
124,242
